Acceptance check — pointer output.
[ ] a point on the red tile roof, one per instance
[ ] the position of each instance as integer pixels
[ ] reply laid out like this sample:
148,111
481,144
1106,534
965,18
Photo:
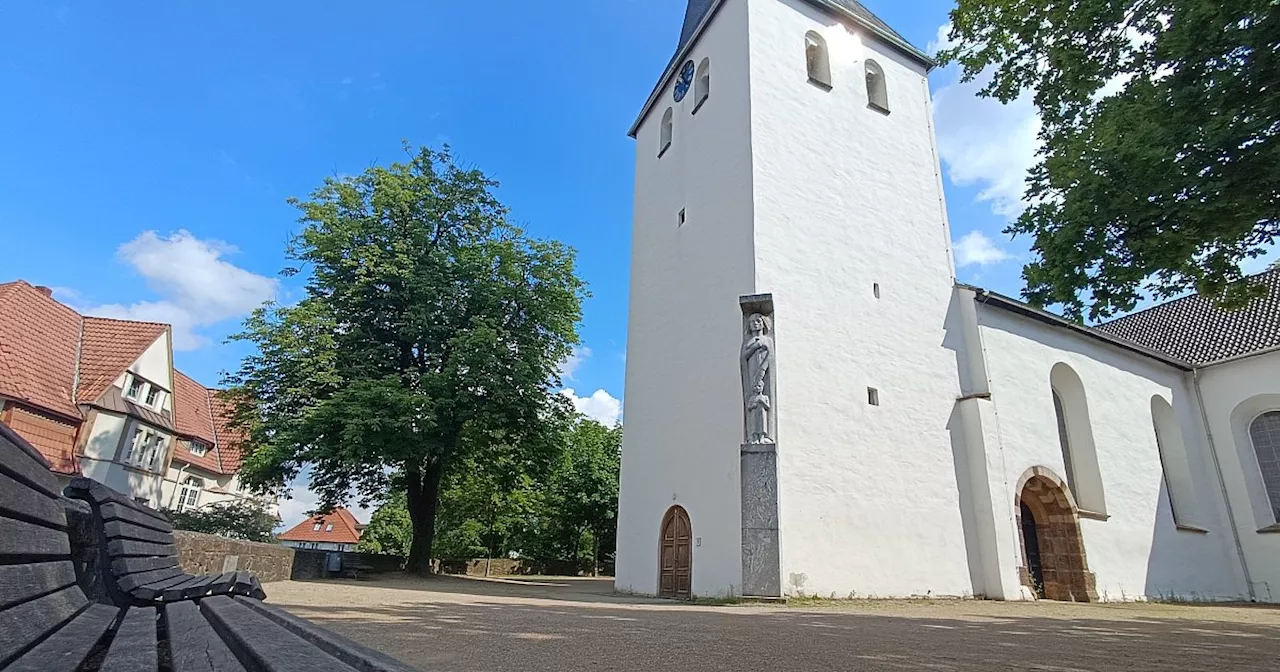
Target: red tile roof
346,529
108,348
39,338
203,414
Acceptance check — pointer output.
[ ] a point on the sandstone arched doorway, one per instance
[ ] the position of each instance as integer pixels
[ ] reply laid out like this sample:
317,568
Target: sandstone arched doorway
675,559
1053,559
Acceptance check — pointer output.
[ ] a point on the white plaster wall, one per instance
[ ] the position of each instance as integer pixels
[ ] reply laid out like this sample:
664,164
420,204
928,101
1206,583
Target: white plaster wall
846,197
683,400
1248,386
1138,552
104,435
156,363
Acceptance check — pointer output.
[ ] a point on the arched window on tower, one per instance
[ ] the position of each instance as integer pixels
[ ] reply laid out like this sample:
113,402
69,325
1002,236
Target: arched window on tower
877,89
1175,464
1265,435
702,84
817,60
1075,437
664,142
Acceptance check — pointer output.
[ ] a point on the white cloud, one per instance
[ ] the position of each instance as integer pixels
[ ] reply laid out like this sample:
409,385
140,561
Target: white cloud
198,287
569,367
600,406
977,248
296,510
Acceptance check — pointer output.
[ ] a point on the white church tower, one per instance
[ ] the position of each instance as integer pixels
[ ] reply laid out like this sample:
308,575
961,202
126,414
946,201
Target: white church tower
788,154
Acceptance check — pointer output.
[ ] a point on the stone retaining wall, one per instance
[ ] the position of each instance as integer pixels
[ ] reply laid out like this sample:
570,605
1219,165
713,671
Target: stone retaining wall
209,554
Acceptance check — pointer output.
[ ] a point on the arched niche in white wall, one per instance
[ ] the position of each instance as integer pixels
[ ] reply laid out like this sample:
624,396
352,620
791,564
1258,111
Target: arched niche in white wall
1177,466
702,85
1075,436
664,136
1252,445
817,59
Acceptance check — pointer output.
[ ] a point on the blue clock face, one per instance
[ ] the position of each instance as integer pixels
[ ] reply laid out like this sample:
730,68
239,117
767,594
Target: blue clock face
685,81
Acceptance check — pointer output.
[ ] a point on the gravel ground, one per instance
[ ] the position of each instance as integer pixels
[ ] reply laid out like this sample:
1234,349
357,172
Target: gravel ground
558,624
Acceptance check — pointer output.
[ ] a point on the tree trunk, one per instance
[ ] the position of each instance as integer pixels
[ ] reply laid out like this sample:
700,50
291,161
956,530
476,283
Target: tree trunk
595,554
423,500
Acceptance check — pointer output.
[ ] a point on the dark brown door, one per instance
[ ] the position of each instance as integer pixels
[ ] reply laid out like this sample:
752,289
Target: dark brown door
676,579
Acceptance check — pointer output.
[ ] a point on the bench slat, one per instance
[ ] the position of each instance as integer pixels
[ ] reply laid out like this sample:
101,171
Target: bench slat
153,591
101,495
20,538
29,622
67,648
121,530
16,461
194,644
113,511
121,547
133,649
175,592
268,645
199,588
243,584
126,565
20,583
356,655
132,581
29,503
257,593
223,584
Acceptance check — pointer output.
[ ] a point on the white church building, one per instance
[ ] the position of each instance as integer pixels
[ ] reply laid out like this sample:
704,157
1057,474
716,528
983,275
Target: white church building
814,405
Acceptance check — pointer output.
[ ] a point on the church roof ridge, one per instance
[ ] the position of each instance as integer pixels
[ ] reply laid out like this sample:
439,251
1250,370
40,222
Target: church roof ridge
698,15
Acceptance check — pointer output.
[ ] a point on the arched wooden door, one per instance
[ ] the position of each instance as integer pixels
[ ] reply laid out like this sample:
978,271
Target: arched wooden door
676,556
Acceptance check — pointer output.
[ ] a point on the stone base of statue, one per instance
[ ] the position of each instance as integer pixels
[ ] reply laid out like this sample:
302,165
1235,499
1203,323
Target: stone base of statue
761,556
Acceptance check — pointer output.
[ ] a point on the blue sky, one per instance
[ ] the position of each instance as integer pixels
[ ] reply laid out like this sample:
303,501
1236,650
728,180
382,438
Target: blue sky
147,148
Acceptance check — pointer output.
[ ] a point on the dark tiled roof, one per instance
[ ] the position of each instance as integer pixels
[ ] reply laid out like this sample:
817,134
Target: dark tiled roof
1195,330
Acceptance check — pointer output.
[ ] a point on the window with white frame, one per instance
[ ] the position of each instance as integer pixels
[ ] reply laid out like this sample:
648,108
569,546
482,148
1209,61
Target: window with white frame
145,449
316,527
817,60
198,448
1264,431
190,496
328,528
143,391
664,138
877,88
702,86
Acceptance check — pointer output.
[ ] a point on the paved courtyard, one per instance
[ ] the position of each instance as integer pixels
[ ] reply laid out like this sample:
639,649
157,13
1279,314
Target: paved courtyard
555,624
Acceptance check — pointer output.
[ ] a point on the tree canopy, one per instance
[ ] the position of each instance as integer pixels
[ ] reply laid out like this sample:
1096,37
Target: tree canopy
237,519
430,334
1159,171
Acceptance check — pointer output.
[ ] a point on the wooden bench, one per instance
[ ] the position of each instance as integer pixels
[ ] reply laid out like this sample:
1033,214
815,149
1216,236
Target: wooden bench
48,624
138,557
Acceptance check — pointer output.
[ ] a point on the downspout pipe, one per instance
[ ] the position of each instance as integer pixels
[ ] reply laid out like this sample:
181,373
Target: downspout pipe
1222,483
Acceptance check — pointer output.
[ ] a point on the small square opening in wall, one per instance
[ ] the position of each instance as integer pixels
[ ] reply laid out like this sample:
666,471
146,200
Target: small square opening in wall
873,396
680,218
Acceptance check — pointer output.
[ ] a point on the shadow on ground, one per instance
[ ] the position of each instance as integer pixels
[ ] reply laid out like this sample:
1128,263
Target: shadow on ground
467,625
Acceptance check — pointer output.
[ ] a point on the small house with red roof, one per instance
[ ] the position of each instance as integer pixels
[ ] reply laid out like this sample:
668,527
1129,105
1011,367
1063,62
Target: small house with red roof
334,531
99,397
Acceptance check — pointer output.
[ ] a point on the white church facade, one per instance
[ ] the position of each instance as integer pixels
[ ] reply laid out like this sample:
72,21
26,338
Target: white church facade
814,405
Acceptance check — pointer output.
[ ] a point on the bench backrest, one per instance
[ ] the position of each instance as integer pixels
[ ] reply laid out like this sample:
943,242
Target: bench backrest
38,590
136,542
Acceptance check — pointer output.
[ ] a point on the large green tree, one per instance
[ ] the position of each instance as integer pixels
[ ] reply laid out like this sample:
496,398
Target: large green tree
430,333
584,489
1160,169
390,530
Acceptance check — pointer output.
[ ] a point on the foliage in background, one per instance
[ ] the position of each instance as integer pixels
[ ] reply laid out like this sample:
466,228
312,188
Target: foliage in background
430,337
1160,169
390,530
237,519
566,510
